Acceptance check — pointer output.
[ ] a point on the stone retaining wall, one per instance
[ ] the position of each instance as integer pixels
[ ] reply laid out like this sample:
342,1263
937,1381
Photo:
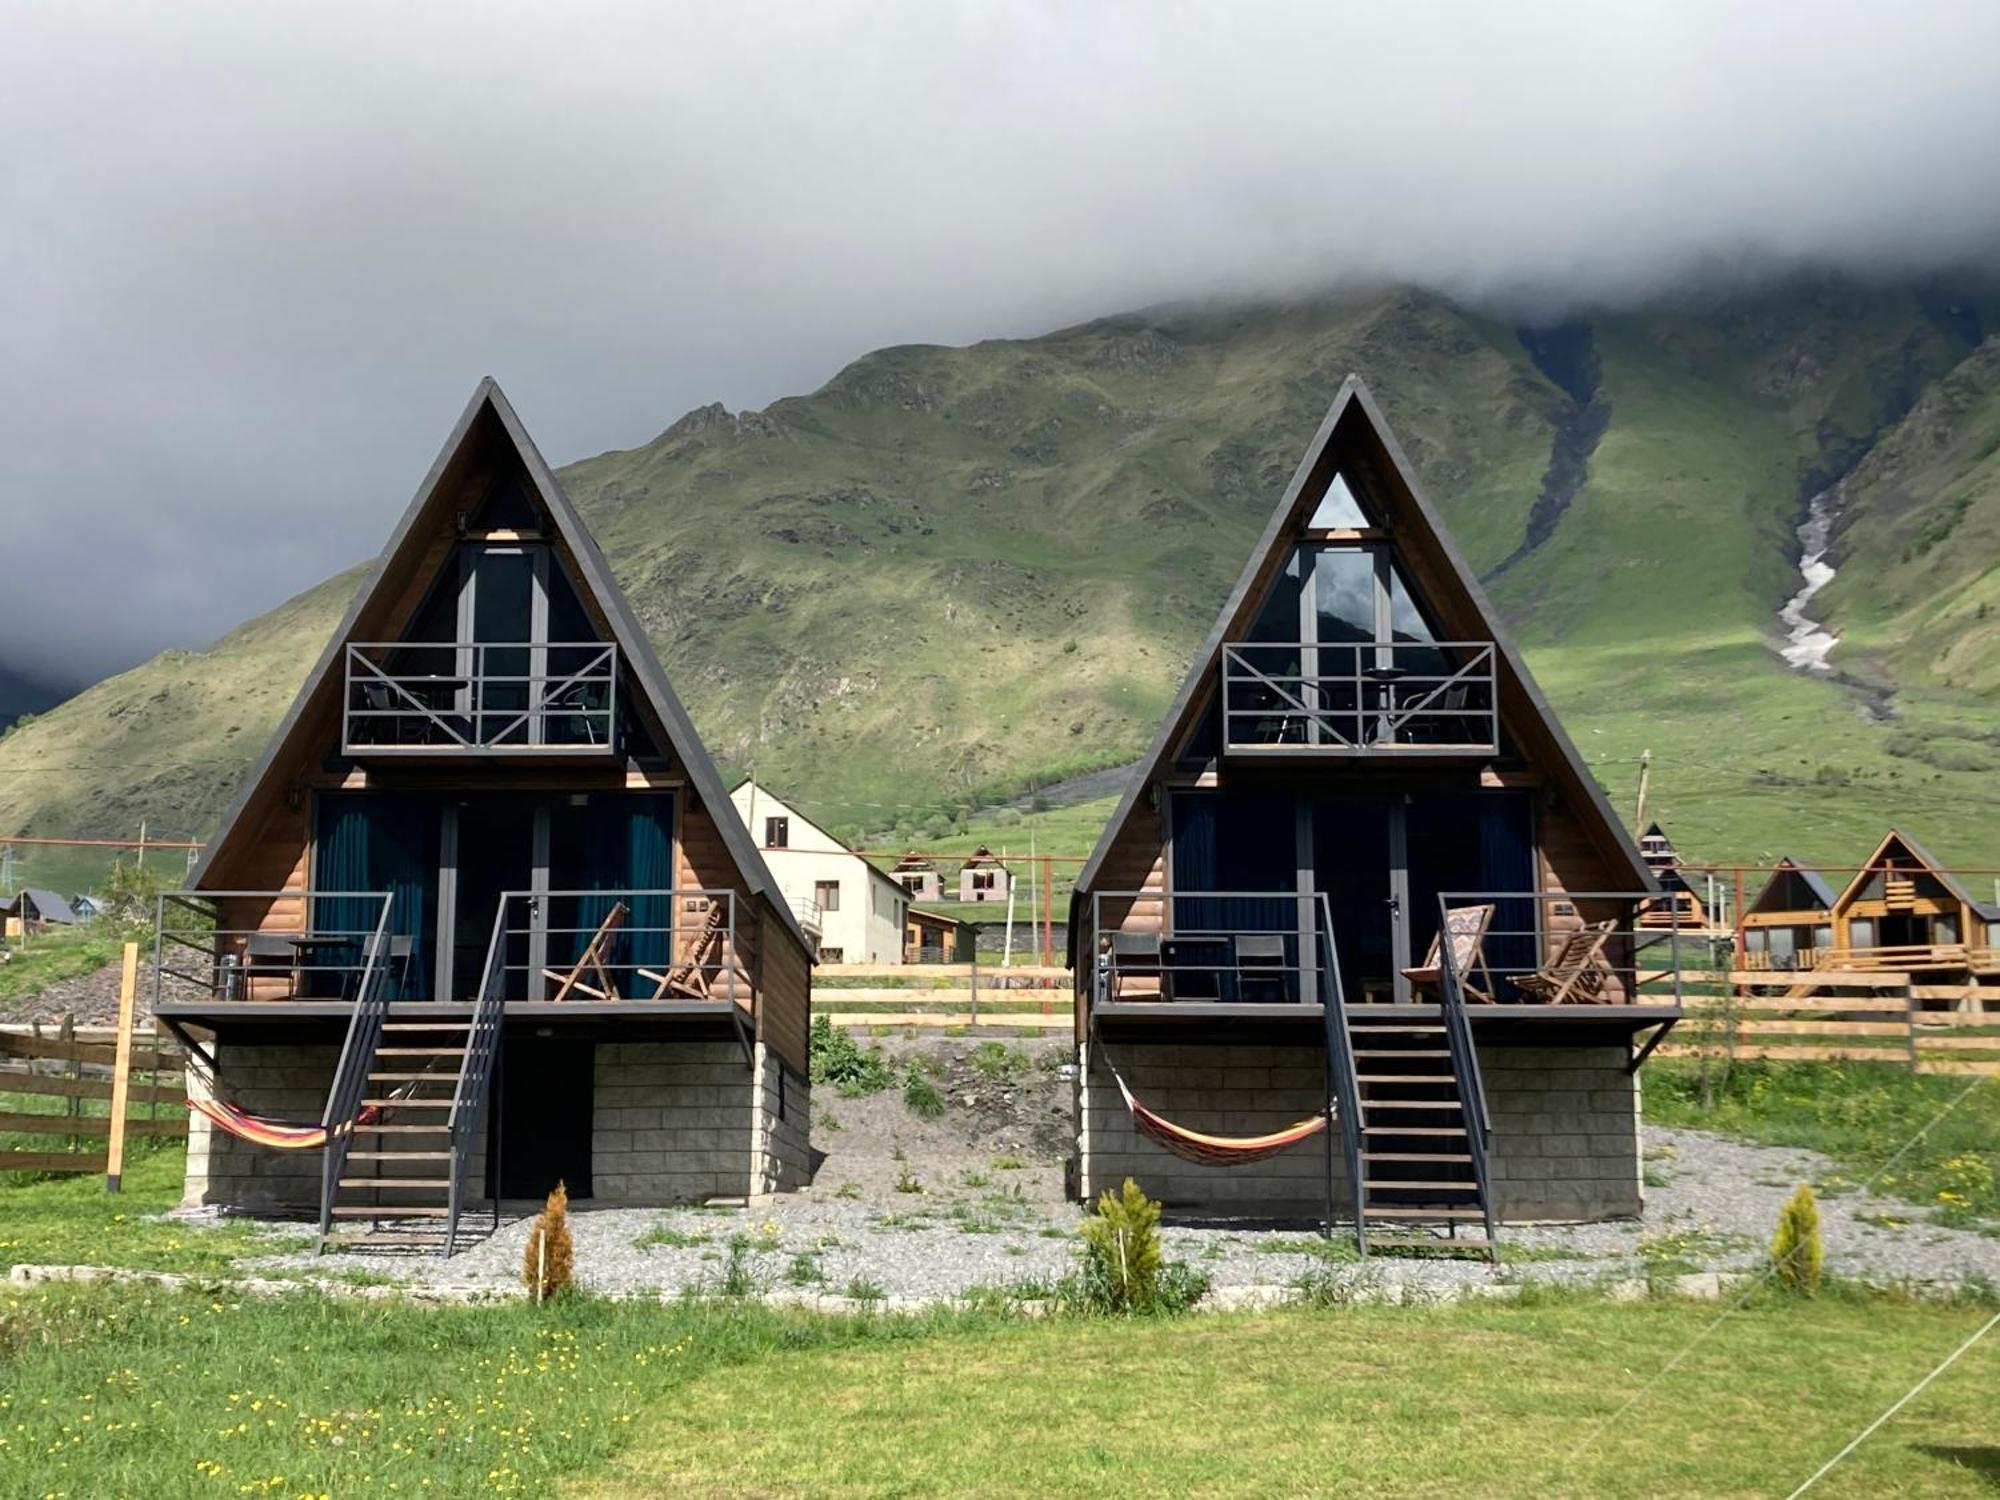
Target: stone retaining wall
1565,1129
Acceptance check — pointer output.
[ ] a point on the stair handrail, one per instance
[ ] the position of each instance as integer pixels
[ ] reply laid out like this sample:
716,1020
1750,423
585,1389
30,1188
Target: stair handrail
1343,1076
357,1056
1464,1063
475,1073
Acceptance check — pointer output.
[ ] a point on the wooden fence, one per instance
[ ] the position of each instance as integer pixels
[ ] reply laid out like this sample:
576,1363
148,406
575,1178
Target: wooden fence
1832,1016
937,997
78,1068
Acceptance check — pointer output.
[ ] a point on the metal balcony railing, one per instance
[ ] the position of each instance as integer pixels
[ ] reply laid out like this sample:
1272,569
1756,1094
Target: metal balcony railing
416,697
274,945
1297,697
643,945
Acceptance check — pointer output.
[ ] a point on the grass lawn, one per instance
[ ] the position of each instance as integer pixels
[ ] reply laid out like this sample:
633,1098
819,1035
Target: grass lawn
107,1393
1860,1114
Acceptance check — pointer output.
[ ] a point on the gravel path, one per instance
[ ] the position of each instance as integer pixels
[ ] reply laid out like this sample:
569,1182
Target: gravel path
1710,1206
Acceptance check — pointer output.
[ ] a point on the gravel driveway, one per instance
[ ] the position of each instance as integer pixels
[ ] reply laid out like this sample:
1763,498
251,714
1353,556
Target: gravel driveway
1711,1204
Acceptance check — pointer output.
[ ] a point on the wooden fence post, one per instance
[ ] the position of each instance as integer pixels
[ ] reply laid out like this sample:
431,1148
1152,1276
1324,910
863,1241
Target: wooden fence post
121,1077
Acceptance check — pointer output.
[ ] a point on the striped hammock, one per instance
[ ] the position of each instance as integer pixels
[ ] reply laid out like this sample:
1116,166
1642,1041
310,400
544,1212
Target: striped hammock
279,1135
1213,1150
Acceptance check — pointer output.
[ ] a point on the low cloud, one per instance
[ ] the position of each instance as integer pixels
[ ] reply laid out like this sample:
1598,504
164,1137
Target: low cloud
255,258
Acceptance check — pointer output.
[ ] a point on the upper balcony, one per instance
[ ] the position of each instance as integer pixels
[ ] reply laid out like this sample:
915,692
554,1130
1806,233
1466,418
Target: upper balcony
1408,699
446,699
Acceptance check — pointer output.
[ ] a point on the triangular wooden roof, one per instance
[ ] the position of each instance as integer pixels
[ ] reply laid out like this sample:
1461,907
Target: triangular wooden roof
489,413
1815,884
1895,839
1354,441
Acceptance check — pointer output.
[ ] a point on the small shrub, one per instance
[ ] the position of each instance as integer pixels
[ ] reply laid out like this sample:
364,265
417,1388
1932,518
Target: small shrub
920,1095
906,1182
1796,1249
738,1279
666,1237
861,1289
1121,1250
548,1263
848,1190
1008,1164
804,1270
837,1059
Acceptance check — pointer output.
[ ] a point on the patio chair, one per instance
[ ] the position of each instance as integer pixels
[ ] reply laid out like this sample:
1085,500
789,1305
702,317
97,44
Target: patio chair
1467,926
1132,955
1261,971
1576,973
689,978
594,958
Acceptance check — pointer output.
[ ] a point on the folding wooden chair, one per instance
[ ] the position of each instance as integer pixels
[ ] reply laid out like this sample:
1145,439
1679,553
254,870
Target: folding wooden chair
690,978
1577,972
1466,926
596,954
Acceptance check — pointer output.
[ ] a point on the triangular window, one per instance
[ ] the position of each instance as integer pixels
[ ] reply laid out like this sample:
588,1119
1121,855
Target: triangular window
1337,509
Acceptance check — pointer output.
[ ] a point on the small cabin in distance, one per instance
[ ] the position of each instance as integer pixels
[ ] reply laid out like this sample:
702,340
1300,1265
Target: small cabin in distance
919,876
1363,872
1903,910
34,911
931,937
983,877
1681,905
1790,924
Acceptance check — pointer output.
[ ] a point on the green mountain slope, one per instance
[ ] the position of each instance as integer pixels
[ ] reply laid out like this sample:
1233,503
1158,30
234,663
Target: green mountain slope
950,573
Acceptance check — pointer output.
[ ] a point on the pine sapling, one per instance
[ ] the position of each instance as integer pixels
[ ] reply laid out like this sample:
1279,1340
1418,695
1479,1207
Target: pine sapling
549,1261
1796,1250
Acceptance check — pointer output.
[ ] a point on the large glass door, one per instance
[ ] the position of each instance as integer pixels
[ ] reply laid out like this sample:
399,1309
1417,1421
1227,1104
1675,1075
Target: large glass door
1355,847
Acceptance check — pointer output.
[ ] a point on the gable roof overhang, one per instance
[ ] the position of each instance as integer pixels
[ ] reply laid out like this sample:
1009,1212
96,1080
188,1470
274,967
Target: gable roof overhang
489,404
1354,438
1987,911
1814,883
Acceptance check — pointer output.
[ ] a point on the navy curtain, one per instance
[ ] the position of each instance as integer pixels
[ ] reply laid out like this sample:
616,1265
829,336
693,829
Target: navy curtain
340,863
369,843
1233,841
649,866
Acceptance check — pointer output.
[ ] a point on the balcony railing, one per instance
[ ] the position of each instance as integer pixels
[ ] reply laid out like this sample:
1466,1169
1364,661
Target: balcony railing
423,697
1407,698
643,945
1226,948
274,945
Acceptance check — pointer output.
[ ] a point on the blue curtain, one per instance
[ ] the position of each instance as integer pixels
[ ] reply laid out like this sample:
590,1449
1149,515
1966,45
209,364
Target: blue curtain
340,863
1507,863
1233,841
403,857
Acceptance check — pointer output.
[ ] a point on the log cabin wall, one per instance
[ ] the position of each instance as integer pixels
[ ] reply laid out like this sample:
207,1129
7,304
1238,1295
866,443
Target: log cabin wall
784,994
702,862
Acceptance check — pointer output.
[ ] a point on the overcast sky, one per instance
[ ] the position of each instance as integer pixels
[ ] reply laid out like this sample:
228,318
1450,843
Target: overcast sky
254,257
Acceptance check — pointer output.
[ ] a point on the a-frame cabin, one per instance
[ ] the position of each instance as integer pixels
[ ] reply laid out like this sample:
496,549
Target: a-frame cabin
485,896
1790,924
1681,906
1904,910
1358,750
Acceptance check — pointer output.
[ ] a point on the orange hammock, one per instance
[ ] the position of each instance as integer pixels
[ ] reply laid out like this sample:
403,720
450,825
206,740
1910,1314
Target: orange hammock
280,1135
1213,1150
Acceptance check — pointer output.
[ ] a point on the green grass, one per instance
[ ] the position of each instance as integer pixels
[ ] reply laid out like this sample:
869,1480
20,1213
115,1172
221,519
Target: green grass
74,1221
49,958
1860,1115
1453,1401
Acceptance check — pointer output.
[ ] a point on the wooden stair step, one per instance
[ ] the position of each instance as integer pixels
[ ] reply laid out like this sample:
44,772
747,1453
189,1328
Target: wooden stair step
1426,1242
405,1239
1440,1211
1395,1028
1466,1185
1406,1103
426,1184
406,1103
1414,1130
420,1051
413,1078
1401,1052
1404,1078
388,1211
1414,1156
402,1026
399,1156
439,1129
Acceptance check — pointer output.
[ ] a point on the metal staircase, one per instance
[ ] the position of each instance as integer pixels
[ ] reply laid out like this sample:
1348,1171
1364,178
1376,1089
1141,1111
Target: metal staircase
424,1082
1417,1129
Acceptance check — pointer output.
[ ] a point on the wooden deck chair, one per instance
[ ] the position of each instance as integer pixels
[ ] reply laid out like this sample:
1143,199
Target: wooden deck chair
690,977
1577,972
1467,926
596,953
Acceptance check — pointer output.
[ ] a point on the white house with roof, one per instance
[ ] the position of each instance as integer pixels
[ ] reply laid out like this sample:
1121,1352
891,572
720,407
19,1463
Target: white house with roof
856,910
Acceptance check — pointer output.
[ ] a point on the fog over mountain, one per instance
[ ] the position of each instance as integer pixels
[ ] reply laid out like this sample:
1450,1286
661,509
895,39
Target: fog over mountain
254,259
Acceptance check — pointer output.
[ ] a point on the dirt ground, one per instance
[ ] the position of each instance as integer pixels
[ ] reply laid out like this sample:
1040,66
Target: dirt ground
1006,1099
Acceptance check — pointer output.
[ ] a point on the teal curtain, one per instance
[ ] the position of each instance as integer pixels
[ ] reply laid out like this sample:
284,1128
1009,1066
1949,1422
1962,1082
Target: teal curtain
649,866
370,843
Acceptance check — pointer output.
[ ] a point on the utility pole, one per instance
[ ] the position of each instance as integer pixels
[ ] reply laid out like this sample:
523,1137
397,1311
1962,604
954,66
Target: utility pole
142,843
1007,947
1645,773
